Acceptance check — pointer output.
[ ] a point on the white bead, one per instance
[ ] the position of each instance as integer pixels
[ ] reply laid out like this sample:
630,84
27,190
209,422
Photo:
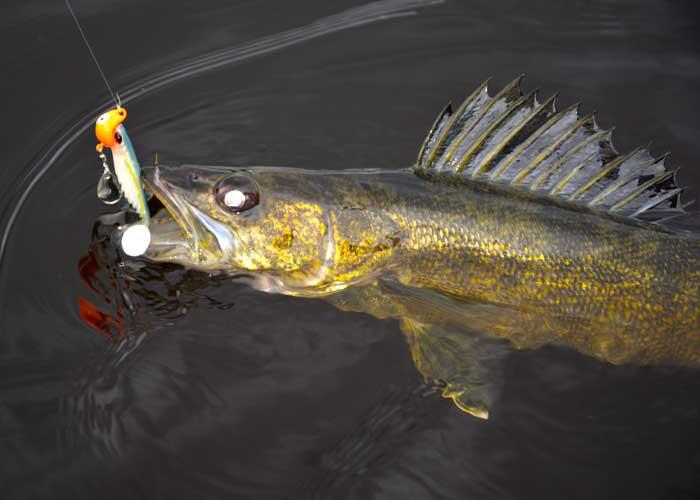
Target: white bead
135,240
234,198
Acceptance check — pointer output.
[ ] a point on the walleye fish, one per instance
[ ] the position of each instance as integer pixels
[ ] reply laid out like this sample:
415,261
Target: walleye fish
519,225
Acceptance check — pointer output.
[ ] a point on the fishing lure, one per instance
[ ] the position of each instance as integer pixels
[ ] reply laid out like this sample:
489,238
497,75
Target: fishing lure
110,131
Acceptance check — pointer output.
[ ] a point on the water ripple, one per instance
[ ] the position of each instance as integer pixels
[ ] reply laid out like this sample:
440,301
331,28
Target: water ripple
359,16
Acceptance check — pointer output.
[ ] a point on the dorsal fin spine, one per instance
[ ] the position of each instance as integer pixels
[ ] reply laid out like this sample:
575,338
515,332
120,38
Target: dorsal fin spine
660,199
525,171
446,111
503,166
511,138
551,101
597,137
457,115
609,167
571,174
457,141
600,135
622,180
489,130
643,187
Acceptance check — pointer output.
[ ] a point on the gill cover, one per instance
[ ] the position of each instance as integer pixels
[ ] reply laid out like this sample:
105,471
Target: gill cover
106,127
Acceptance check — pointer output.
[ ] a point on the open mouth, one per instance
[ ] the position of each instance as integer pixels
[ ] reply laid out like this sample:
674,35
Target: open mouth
179,231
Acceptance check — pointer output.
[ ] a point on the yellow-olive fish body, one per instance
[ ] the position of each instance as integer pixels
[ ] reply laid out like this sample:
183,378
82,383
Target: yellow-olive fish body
519,224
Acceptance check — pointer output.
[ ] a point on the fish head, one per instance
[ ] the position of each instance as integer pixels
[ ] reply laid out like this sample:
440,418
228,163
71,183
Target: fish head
106,127
262,223
292,231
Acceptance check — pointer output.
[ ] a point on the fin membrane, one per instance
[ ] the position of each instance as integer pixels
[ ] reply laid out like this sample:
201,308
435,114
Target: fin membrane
466,366
514,139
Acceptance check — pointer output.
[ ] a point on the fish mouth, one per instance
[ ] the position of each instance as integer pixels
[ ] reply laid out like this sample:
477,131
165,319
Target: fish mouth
180,232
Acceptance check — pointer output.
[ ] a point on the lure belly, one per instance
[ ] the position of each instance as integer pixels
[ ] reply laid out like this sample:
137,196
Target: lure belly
110,131
128,172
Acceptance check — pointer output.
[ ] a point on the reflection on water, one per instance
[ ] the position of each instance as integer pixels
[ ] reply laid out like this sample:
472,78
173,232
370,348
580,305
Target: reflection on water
132,304
180,386
132,290
127,302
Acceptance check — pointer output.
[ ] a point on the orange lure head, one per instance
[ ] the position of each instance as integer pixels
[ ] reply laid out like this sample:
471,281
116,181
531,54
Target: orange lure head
106,127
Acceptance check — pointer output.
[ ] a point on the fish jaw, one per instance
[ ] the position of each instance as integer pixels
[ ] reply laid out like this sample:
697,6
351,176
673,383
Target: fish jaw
183,234
284,244
308,233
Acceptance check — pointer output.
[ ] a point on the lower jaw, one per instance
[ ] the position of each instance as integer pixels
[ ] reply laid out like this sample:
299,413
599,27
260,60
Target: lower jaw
170,240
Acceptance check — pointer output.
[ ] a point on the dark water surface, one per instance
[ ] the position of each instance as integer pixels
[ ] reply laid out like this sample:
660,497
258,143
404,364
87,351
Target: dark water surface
212,390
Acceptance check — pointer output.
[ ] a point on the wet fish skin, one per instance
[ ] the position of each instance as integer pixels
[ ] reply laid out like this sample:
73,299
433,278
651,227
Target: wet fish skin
519,224
542,271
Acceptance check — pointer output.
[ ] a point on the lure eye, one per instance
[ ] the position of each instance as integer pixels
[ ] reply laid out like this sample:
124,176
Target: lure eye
237,193
118,137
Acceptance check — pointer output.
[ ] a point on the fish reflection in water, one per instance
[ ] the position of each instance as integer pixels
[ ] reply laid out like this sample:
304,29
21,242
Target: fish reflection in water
131,291
110,408
127,302
519,226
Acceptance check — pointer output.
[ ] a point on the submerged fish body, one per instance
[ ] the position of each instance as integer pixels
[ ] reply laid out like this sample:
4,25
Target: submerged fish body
518,223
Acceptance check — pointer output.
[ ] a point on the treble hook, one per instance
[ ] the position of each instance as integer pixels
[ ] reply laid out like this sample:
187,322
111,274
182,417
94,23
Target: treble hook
108,189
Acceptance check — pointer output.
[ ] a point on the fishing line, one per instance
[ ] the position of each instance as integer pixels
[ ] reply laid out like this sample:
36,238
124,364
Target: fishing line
373,12
92,53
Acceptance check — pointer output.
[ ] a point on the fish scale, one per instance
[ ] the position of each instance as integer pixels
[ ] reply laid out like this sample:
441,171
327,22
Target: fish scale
519,225
549,271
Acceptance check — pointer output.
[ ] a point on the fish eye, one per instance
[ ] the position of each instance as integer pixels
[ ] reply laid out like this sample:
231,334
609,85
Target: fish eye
236,193
118,137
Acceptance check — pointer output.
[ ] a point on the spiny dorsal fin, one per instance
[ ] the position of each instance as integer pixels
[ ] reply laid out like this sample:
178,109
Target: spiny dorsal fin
515,140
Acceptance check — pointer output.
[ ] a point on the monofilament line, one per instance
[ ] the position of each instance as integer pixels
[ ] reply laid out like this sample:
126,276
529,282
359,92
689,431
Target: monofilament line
92,53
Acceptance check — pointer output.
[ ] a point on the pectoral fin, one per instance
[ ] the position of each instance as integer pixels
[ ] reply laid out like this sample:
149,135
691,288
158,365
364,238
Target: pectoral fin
467,366
452,343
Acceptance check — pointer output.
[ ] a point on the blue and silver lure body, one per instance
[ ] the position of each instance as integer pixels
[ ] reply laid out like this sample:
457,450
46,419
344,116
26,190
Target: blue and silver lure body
128,171
111,133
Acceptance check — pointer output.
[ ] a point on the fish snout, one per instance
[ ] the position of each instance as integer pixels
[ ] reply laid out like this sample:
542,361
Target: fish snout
202,241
